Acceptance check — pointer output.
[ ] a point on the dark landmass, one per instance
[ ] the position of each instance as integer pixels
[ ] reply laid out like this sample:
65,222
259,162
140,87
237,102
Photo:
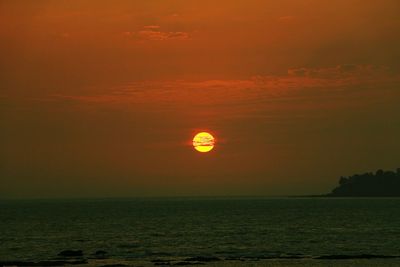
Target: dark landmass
379,184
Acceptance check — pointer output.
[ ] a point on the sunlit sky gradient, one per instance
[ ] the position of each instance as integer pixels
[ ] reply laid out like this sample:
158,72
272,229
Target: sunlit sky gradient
103,98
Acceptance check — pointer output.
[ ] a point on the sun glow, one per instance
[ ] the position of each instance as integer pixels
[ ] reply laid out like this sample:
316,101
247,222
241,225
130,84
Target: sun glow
203,142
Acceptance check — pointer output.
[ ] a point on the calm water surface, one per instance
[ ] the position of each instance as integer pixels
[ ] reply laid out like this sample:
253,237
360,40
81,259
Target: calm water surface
147,229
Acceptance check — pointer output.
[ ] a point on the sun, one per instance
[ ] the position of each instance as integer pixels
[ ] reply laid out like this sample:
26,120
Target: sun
203,142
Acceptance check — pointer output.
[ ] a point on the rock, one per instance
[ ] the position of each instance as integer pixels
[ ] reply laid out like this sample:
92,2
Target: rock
157,260
184,263
42,263
234,259
161,262
71,253
292,257
100,254
60,263
17,263
203,259
351,257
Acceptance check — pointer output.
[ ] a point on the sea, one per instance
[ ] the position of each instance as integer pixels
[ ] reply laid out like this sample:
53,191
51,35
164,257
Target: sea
208,231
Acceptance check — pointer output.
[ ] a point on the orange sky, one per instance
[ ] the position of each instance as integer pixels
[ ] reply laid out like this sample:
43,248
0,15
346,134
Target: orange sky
101,98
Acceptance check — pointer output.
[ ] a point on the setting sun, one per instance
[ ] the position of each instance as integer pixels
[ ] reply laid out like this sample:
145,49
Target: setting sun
203,142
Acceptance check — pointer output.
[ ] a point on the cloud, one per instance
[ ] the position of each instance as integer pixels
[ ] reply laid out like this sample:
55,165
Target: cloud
151,27
153,33
303,88
342,71
162,36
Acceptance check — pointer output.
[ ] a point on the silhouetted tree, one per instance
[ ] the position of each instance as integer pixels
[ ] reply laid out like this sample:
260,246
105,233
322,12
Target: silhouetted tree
343,180
382,183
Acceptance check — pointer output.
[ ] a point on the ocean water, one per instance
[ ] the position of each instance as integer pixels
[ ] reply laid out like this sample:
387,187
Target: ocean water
236,231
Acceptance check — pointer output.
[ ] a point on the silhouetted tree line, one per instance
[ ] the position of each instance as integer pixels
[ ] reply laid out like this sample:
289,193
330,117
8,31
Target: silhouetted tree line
379,184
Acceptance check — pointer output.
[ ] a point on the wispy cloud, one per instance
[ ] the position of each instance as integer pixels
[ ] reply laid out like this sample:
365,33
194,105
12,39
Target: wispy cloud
303,88
155,33
359,72
151,27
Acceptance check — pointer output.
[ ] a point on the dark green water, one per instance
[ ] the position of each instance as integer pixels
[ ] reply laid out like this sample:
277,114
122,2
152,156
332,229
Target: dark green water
146,229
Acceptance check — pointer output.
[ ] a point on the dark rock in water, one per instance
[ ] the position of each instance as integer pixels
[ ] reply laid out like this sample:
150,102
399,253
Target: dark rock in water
100,254
71,253
157,253
17,263
286,256
161,262
250,258
61,263
234,259
158,260
42,263
203,259
183,263
352,257
114,265
294,257
268,257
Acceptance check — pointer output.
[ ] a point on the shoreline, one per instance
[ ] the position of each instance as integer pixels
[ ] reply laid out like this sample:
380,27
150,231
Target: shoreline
332,260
